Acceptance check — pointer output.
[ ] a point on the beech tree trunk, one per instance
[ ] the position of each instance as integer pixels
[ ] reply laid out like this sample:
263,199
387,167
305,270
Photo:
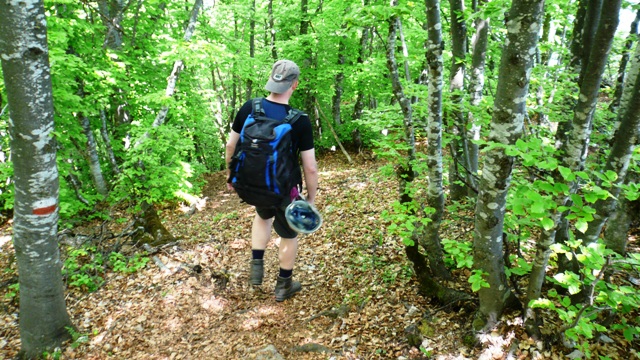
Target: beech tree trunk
150,220
573,150
589,30
616,234
626,54
456,123
576,37
339,78
364,39
252,44
111,13
476,86
525,18
94,159
25,65
624,143
435,193
272,31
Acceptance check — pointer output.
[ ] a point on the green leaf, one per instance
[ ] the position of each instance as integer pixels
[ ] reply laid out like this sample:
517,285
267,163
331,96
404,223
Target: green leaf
577,200
547,223
582,225
566,173
591,197
537,208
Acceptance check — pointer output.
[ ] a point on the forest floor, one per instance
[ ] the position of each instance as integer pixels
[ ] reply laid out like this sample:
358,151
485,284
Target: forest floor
358,294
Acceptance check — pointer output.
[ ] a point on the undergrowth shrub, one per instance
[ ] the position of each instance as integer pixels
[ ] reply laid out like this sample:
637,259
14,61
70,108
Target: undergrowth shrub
85,266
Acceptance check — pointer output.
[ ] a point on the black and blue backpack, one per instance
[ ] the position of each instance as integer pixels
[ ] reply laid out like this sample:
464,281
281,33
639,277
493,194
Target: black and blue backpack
264,169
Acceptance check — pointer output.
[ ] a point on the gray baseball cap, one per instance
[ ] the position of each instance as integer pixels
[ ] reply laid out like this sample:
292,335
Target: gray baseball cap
283,74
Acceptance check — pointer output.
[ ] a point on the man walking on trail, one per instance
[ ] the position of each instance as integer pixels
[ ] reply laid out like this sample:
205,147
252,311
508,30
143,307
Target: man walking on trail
281,85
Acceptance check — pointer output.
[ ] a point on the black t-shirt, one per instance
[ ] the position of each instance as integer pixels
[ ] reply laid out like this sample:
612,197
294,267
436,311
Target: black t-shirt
301,131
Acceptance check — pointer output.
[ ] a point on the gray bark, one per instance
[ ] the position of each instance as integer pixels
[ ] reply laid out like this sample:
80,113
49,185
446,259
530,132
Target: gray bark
617,230
576,38
364,39
574,148
506,128
94,159
398,92
272,30
177,66
435,192
107,142
456,122
25,65
620,155
337,97
591,22
476,86
252,44
627,90
111,13
626,54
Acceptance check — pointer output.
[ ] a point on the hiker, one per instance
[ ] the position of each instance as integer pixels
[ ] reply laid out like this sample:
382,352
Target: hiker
282,82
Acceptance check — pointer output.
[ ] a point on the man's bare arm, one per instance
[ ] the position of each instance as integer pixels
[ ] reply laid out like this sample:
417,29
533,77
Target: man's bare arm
229,150
310,169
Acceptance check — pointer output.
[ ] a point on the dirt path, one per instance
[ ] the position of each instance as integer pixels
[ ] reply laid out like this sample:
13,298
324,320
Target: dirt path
357,299
355,303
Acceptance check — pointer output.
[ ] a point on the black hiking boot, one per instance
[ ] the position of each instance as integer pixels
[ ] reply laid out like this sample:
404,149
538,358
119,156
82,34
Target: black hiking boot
257,272
286,288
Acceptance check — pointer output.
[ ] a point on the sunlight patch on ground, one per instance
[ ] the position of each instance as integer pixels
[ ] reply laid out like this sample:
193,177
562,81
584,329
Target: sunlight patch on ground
268,310
4,239
213,304
330,173
251,324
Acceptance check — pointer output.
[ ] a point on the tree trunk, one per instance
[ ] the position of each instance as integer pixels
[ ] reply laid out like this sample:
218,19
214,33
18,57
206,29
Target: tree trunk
435,193
589,14
507,123
576,36
574,150
364,39
620,155
589,30
626,54
178,65
476,85
627,89
25,65
337,97
150,220
111,13
456,123
616,234
107,142
272,31
252,44
94,159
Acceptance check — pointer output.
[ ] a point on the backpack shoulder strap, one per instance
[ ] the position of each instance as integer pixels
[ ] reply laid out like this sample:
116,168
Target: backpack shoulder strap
257,108
293,116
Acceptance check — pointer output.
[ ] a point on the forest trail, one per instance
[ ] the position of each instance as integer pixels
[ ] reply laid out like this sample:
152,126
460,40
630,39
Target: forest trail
358,295
213,313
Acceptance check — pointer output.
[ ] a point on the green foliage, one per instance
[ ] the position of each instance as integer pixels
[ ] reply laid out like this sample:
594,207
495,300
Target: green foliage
404,219
121,263
583,318
477,280
458,253
77,338
14,290
83,268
